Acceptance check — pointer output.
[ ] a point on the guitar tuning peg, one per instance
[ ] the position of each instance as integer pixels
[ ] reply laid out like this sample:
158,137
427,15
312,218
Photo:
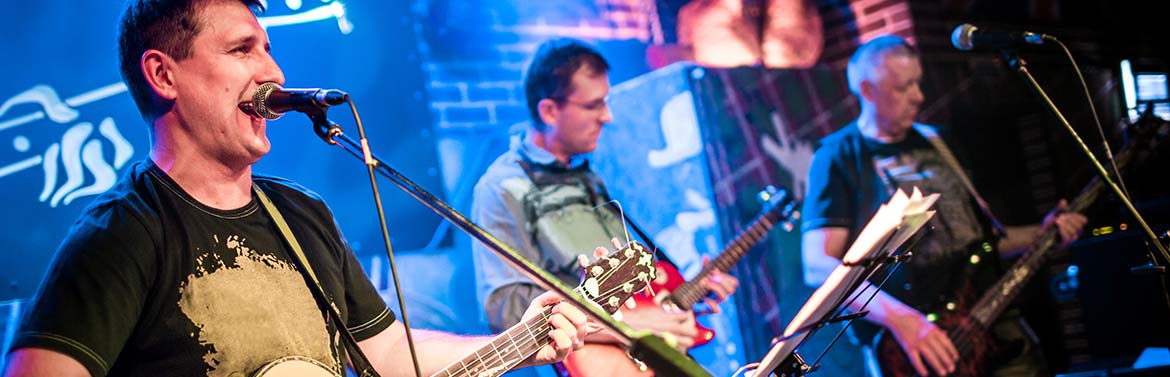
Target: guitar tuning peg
787,223
766,195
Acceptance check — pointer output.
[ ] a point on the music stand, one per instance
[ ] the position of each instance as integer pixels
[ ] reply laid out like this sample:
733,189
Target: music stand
895,222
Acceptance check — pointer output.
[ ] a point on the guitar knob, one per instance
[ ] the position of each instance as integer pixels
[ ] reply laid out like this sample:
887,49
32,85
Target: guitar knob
766,195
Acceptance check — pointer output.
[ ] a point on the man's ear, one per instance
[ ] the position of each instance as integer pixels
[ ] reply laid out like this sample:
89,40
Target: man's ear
549,111
867,89
158,68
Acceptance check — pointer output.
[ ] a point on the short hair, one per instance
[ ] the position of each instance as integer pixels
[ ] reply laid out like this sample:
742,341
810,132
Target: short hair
165,25
869,55
550,75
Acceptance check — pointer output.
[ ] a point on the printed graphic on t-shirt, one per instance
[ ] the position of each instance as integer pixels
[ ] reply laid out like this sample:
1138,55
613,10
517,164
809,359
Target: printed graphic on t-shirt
954,225
250,308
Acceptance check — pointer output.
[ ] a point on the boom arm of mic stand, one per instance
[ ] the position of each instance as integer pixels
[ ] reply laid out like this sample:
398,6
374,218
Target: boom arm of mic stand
1019,65
649,348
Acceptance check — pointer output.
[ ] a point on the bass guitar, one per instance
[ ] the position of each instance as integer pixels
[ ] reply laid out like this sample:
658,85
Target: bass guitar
967,320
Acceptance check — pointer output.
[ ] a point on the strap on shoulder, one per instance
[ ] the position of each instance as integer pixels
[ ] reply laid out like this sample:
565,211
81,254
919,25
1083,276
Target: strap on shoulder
931,135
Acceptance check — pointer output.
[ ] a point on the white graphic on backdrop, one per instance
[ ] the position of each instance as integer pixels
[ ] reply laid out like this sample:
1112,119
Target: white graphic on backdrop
680,132
679,237
334,10
792,154
76,149
80,154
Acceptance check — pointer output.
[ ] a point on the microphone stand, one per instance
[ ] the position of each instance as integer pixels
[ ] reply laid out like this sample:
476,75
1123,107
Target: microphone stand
1019,65
326,130
652,349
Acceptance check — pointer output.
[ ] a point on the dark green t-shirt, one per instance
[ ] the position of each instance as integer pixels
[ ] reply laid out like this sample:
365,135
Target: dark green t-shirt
149,282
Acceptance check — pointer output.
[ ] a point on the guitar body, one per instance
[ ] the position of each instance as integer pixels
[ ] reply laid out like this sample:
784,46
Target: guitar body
603,360
667,280
596,359
952,311
670,288
893,362
295,366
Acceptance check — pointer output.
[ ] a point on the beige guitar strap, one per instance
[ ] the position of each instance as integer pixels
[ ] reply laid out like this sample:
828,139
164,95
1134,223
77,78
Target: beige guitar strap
361,364
944,151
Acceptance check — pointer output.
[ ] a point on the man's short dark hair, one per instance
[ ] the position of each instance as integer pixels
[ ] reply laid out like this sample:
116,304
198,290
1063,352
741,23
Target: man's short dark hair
165,25
550,75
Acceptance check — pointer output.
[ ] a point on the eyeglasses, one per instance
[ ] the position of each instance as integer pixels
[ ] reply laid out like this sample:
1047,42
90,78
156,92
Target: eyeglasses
588,106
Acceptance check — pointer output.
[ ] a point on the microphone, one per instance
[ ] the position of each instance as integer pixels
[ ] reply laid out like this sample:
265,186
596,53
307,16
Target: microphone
967,37
271,101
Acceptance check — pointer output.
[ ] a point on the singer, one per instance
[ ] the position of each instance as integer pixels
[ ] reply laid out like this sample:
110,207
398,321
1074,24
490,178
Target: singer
179,269
855,169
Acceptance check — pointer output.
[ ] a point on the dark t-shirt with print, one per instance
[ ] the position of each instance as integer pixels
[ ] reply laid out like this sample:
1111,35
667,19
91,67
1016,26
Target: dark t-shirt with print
851,176
150,282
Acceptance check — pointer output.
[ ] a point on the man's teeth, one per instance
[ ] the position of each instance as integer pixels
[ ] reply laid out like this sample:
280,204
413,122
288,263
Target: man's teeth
247,108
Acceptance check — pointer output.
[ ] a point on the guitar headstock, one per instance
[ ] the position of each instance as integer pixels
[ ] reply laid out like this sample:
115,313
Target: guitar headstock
612,279
778,205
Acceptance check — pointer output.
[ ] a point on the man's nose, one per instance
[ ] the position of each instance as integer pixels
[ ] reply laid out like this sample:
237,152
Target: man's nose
270,71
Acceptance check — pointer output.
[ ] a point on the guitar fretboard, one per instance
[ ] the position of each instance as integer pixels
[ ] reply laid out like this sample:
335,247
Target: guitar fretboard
505,350
609,281
689,293
997,298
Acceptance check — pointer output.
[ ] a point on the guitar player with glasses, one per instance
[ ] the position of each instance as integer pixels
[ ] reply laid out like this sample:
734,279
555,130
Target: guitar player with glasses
541,198
916,322
191,265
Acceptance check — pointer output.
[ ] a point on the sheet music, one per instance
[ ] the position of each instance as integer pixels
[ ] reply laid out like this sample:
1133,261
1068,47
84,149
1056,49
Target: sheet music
893,224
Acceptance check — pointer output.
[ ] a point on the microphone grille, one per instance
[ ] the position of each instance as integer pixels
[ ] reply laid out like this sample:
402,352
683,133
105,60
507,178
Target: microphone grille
260,100
961,37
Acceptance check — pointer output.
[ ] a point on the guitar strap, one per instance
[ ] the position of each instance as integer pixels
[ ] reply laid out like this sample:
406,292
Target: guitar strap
360,363
598,195
949,157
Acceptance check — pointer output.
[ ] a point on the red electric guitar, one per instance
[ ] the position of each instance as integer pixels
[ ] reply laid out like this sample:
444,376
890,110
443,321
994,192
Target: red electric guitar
670,288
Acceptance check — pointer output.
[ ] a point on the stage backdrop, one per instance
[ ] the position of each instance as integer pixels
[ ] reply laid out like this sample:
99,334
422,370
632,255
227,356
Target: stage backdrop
704,142
68,127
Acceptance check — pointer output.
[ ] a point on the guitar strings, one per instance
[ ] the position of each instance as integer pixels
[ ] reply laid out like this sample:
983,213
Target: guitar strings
751,235
478,363
547,312
963,336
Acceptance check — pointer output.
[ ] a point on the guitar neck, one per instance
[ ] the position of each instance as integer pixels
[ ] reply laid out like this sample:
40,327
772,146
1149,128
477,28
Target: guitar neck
607,282
997,298
505,350
689,293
